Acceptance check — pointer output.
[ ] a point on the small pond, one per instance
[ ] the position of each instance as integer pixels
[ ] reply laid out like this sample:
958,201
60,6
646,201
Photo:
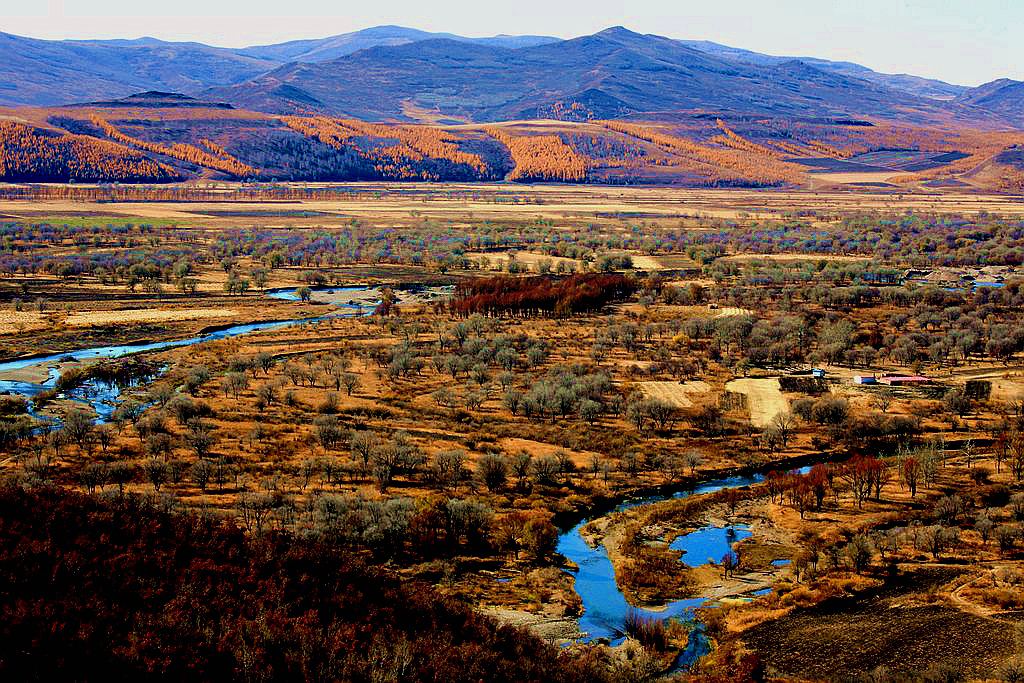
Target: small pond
709,544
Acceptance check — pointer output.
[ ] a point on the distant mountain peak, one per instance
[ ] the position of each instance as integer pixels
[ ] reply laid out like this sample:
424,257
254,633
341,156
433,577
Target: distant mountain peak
618,32
998,83
609,74
1003,96
377,72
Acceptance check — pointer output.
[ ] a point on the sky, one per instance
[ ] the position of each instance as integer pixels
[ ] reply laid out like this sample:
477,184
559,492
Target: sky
961,41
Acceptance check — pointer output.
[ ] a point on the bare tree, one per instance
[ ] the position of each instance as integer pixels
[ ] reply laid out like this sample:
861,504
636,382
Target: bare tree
200,437
784,423
202,472
157,472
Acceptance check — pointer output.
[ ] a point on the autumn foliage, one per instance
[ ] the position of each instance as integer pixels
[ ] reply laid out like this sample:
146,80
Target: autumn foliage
27,154
541,157
218,161
719,165
731,138
323,128
542,295
830,151
215,148
399,159
96,144
417,142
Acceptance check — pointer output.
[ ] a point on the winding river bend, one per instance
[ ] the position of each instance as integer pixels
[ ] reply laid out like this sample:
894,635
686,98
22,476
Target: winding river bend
605,607
103,396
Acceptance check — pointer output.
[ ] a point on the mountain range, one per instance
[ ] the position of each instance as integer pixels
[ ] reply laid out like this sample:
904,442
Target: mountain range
326,49
52,72
392,73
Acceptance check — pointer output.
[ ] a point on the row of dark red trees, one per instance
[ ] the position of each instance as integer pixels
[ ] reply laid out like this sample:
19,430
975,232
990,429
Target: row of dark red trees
541,295
861,476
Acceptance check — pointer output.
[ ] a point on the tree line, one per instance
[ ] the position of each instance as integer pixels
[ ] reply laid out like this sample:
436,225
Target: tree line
540,295
541,157
403,159
721,166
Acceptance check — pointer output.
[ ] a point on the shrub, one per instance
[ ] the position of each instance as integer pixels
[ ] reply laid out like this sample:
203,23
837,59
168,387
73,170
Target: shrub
651,632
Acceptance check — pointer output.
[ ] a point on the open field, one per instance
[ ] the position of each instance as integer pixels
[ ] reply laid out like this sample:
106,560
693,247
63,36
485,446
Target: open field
870,178
677,394
764,398
527,258
453,201
33,321
1007,382
891,625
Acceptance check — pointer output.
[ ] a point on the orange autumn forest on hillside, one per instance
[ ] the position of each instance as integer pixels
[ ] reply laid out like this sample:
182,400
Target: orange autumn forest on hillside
95,144
28,154
219,160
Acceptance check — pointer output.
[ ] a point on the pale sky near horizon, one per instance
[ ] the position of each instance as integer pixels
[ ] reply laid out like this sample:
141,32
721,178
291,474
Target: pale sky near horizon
961,41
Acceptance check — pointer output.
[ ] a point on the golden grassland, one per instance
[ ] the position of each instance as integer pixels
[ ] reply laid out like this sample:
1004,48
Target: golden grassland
575,205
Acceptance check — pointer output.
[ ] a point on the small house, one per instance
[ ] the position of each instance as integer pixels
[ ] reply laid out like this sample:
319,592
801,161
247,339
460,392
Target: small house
864,379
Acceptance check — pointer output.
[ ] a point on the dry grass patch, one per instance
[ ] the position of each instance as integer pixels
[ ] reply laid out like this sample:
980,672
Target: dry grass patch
764,398
146,315
675,394
526,258
732,312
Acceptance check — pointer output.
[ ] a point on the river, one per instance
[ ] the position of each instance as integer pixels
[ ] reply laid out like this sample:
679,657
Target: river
102,397
604,605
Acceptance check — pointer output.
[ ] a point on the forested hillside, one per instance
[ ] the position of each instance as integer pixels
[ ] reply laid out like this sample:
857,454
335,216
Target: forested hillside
123,590
161,137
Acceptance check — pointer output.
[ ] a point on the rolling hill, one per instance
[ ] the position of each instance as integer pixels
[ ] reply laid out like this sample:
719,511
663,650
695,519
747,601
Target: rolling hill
159,137
1004,97
1003,171
326,49
915,85
396,73
48,72
392,103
